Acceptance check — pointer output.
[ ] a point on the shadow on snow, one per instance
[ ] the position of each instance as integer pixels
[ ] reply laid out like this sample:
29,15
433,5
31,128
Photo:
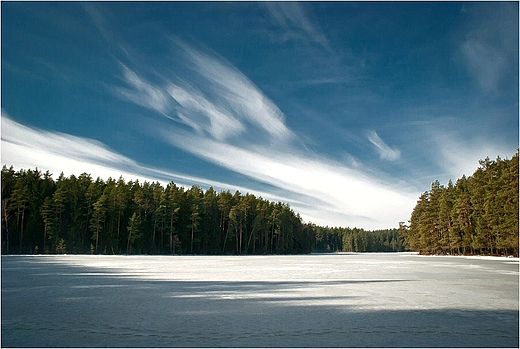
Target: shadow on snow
46,304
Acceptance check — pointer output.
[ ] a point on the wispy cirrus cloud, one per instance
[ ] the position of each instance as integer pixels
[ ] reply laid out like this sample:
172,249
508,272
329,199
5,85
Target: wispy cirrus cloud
334,193
237,93
142,92
484,62
99,19
232,123
196,111
296,25
490,46
25,147
459,156
384,150
216,99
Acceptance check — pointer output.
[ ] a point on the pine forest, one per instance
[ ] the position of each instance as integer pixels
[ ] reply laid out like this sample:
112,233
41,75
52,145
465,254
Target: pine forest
77,214
82,215
476,215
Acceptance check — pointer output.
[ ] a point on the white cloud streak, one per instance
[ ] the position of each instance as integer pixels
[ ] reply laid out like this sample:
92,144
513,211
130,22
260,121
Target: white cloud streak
21,143
490,47
385,151
337,194
221,105
238,93
458,155
291,17
225,113
29,148
143,93
212,119
99,20
484,62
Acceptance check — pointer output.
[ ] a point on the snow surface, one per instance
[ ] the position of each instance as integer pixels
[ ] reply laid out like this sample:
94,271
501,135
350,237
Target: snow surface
320,300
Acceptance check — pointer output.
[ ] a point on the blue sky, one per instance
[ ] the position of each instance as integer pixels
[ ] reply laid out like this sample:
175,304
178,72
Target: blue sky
347,111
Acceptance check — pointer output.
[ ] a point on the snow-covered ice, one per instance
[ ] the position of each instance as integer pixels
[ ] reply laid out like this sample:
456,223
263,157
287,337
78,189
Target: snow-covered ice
322,300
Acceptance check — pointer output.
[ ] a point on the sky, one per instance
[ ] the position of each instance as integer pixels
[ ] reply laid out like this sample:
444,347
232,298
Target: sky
347,111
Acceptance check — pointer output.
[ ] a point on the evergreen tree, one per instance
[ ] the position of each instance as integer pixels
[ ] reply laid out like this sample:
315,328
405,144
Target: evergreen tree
195,196
18,203
479,215
135,231
97,223
47,214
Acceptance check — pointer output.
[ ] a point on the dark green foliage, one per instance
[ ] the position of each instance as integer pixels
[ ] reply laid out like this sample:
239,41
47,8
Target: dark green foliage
477,215
356,240
80,215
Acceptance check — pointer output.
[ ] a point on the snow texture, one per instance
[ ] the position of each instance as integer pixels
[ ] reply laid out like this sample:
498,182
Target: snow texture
321,300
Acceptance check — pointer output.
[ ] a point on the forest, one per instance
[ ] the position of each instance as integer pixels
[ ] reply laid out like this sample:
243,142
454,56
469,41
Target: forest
476,215
78,214
339,239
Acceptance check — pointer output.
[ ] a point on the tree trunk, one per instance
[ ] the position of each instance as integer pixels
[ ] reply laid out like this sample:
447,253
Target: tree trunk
162,235
272,238
21,231
86,227
225,240
128,243
44,237
240,238
6,219
97,238
172,249
153,238
249,241
118,228
192,229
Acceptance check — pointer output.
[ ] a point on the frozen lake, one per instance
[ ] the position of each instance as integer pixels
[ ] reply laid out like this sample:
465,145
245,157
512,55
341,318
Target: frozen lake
335,300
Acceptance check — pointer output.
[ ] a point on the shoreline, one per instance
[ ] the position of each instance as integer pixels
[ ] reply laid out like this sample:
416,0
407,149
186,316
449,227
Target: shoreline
412,253
484,257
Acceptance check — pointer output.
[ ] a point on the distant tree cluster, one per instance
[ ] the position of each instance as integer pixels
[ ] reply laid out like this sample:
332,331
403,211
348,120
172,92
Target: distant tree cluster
357,240
477,215
82,215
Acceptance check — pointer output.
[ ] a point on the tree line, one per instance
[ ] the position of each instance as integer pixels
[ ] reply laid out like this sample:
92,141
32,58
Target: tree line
477,215
339,239
78,214
82,215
